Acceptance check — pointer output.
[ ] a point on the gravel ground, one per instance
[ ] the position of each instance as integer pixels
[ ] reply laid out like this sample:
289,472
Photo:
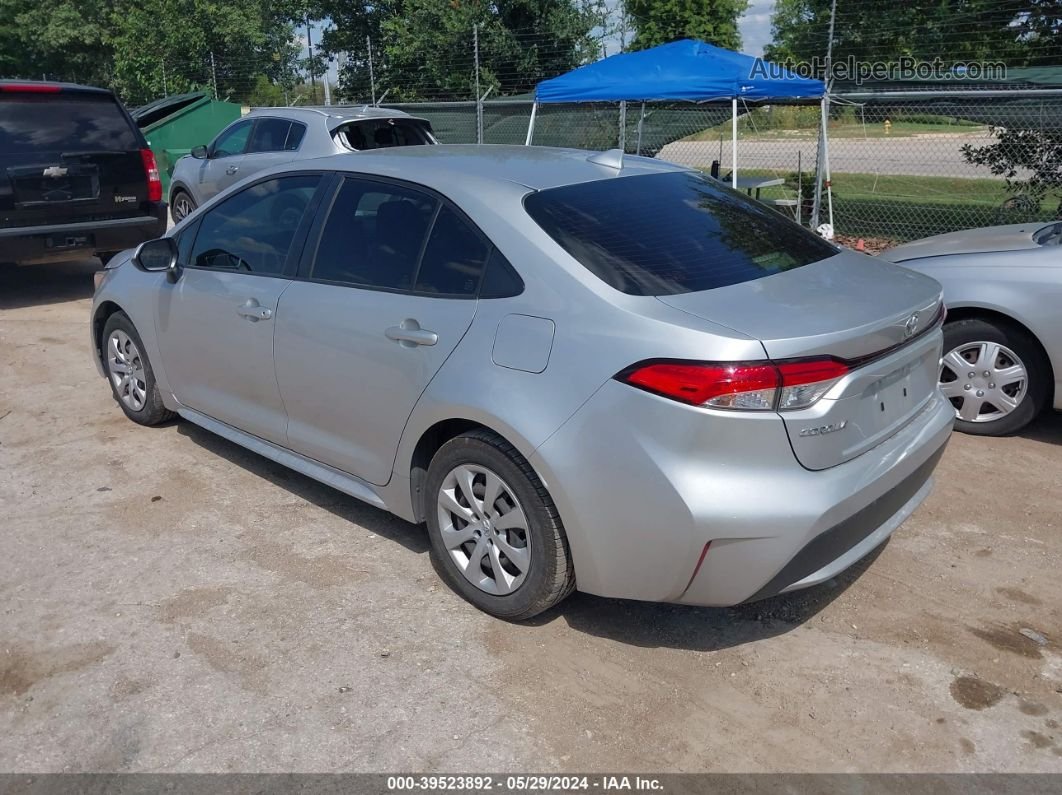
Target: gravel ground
169,602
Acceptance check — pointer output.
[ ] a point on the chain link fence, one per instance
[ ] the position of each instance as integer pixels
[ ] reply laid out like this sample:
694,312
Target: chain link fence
902,166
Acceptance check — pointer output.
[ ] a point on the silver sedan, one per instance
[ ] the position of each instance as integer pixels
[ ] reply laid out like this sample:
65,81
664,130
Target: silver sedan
269,137
578,370
1002,359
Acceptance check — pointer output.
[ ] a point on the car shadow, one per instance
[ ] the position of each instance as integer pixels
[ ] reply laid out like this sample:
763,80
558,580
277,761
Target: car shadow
1046,428
36,285
412,537
644,624
652,625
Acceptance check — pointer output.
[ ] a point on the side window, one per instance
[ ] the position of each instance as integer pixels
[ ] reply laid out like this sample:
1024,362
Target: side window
233,141
185,239
500,280
454,258
270,135
295,134
252,231
373,235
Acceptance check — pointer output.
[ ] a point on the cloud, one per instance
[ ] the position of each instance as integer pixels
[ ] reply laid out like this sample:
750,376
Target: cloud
755,26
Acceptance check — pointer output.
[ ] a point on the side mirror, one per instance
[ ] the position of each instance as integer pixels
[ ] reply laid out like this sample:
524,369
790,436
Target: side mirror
200,152
156,256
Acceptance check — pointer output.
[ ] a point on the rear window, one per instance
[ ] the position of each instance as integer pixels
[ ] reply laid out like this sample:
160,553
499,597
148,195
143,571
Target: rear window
63,122
666,234
383,133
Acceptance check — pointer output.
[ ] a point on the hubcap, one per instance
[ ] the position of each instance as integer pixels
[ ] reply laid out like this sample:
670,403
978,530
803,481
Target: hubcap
984,381
484,529
127,370
182,207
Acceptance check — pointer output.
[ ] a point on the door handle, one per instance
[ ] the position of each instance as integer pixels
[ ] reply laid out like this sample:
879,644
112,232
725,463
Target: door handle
254,311
409,334
232,169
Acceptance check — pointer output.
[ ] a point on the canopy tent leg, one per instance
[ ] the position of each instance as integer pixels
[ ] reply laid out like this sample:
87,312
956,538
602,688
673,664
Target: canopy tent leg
531,124
623,126
822,173
733,143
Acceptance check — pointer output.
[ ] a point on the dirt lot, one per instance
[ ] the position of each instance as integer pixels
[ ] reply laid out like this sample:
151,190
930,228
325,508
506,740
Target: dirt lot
169,602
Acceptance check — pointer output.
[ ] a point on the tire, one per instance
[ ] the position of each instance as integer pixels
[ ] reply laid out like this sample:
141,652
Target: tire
181,206
541,578
123,351
974,347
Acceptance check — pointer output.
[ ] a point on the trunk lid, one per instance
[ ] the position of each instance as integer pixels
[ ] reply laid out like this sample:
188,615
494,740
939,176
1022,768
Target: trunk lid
879,317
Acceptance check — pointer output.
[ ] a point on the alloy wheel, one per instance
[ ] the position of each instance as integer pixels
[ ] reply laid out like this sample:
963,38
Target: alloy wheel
126,369
484,529
984,381
182,207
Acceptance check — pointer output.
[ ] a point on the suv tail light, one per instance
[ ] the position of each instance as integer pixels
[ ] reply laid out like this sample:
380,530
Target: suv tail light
151,170
29,88
748,386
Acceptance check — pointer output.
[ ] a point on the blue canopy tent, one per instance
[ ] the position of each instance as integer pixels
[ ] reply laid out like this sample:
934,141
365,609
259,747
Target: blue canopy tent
686,70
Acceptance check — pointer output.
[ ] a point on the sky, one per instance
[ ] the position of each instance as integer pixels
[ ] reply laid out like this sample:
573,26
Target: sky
755,26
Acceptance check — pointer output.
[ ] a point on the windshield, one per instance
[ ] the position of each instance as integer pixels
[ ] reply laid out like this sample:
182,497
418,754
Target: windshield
383,133
672,233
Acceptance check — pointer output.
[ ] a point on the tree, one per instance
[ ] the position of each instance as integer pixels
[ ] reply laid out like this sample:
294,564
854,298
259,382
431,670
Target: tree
661,21
1029,160
884,30
179,45
61,40
423,49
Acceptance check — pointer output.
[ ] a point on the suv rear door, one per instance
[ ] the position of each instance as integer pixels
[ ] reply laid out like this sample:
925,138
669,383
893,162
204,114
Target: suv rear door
273,142
68,154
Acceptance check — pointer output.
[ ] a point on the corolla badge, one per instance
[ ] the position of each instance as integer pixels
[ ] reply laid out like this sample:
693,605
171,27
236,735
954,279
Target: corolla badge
822,430
910,326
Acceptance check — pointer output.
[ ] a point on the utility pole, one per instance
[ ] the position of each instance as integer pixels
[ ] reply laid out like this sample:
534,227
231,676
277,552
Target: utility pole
165,91
309,49
214,74
479,99
372,75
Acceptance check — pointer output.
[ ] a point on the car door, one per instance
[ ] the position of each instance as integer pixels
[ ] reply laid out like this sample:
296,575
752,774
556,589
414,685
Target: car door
388,293
224,158
216,321
273,142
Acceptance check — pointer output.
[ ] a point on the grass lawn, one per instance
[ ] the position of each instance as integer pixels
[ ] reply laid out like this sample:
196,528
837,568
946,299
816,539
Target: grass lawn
904,208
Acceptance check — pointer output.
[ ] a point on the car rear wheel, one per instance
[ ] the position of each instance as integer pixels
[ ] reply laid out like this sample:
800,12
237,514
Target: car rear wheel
129,372
994,374
183,205
496,536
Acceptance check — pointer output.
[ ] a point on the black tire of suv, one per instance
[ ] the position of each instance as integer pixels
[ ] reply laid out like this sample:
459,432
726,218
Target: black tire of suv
551,575
153,411
962,332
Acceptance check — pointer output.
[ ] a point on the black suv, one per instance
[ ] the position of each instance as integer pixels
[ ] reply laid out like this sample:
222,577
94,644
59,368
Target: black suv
76,175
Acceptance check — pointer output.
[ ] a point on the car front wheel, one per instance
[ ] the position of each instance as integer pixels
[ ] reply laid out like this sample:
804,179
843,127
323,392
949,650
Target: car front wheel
994,374
496,536
129,372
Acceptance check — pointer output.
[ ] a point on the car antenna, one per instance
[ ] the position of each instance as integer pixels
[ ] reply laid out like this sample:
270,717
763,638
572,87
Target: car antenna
613,158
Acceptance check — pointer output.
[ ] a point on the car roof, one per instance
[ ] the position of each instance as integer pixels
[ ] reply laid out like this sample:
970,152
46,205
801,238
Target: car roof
331,112
449,168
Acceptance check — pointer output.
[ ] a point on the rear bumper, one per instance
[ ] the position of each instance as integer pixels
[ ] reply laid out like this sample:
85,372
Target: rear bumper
643,485
61,242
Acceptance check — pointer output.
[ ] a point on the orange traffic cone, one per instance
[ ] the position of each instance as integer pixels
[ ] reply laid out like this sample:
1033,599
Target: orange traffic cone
860,245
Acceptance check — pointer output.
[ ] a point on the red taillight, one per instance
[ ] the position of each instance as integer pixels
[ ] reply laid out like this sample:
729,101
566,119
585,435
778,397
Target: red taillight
151,170
29,88
750,386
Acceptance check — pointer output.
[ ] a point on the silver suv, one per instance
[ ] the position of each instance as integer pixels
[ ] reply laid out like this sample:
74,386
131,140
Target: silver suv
269,137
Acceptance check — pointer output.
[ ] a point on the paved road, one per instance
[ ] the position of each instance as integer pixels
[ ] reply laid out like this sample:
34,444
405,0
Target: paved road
931,155
170,602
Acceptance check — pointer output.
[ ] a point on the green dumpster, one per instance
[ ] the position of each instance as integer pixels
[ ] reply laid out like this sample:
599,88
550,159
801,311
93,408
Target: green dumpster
173,125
